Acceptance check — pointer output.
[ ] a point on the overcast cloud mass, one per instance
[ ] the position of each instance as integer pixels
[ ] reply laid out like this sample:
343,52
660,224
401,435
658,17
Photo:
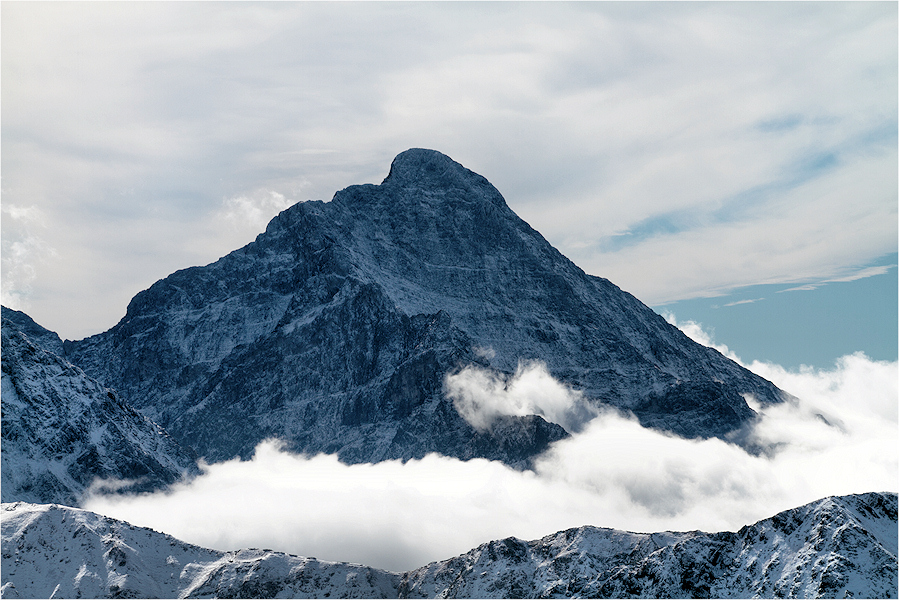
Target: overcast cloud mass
613,473
679,149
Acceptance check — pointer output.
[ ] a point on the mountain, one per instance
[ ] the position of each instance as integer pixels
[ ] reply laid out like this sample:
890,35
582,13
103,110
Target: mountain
56,551
336,328
61,429
838,547
38,335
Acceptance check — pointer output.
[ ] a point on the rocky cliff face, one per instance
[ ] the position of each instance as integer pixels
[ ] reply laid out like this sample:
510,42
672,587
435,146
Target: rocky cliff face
834,548
336,328
61,430
38,335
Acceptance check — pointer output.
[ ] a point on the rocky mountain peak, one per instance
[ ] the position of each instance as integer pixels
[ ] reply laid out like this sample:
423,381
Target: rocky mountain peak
421,182
336,329
62,429
422,167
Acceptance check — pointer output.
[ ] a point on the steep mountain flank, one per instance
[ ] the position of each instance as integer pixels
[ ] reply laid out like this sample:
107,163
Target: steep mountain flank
61,430
335,329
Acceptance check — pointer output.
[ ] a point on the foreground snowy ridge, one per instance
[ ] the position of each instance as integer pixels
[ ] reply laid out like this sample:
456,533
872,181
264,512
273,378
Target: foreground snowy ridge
833,548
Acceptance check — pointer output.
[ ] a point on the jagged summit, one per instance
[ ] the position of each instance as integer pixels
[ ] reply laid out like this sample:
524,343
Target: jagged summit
336,329
422,168
434,226
425,180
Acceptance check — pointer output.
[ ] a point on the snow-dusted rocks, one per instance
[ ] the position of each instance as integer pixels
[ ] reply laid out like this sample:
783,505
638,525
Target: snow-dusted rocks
838,547
39,336
834,548
336,328
62,430
60,552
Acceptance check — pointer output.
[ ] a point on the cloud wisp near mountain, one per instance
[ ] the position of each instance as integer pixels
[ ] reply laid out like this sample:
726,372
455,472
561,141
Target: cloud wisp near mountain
396,375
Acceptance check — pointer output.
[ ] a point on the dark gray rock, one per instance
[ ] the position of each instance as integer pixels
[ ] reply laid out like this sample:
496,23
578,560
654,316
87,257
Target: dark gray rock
62,430
336,328
40,336
702,409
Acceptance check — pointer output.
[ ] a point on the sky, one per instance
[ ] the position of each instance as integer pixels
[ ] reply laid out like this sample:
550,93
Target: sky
732,164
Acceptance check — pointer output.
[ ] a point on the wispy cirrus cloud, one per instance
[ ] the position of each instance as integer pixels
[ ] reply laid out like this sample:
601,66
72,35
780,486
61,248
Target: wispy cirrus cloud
852,276
861,274
738,302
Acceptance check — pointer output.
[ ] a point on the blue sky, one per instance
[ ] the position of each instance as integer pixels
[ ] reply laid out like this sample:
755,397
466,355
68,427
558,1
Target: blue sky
696,154
811,324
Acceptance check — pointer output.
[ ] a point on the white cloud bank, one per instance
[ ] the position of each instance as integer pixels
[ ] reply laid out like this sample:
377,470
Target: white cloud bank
614,473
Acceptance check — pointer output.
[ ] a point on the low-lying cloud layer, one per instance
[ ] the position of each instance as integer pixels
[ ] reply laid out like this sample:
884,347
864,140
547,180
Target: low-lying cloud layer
839,437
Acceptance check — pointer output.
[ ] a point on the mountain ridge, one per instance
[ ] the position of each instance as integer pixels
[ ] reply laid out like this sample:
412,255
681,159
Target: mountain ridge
842,546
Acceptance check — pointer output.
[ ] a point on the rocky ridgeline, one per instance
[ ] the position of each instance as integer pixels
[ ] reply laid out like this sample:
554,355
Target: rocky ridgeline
335,329
837,547
834,548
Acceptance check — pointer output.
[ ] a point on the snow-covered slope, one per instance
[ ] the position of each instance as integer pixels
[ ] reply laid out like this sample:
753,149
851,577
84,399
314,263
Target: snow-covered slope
61,430
60,552
837,547
336,328
833,548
